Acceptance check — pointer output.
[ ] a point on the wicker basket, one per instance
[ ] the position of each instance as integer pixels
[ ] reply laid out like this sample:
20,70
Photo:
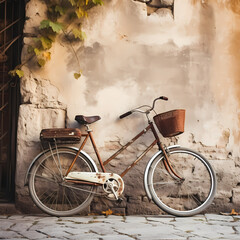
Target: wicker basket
170,123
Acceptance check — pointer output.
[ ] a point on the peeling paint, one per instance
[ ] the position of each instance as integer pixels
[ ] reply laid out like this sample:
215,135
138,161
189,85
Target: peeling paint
128,59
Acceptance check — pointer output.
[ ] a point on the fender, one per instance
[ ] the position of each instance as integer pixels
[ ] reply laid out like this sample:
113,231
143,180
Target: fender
44,152
148,167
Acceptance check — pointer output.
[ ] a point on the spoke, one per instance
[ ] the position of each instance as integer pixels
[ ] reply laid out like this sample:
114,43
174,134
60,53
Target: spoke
53,157
79,189
63,199
43,166
75,196
67,198
55,202
45,178
47,196
60,166
195,199
52,197
48,169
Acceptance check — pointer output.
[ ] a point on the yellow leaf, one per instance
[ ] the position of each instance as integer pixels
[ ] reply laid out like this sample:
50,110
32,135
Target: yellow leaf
80,12
17,72
77,75
233,212
20,73
108,212
41,62
37,51
47,55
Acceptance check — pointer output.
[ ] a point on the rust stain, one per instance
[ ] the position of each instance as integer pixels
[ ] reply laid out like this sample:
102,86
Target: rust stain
121,188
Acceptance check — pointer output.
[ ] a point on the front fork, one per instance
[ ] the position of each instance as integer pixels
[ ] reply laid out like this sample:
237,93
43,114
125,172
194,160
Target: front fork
166,161
168,165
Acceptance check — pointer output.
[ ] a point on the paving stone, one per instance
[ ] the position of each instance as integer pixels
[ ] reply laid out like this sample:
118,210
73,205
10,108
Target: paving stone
210,231
207,226
5,224
9,235
215,217
116,237
15,217
33,235
133,219
160,219
35,218
21,226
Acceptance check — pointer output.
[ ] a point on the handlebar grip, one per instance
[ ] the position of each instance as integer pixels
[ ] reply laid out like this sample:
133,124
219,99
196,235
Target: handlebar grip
163,98
125,114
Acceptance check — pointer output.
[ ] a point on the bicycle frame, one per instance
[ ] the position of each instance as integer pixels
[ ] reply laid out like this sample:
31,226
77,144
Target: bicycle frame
62,180
103,163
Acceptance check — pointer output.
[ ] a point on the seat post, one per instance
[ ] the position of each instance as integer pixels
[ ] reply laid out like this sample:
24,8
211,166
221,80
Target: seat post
96,150
88,129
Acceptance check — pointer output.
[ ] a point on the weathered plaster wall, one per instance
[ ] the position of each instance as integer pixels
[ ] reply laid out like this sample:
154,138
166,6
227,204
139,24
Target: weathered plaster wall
128,59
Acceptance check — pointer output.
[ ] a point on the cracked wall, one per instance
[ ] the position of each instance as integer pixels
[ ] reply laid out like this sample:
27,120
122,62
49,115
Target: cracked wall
129,58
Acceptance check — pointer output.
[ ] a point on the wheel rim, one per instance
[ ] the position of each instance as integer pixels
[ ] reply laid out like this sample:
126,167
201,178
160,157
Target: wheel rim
186,197
51,192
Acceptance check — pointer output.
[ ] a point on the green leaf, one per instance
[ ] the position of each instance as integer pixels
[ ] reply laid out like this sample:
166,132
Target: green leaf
60,10
56,26
79,34
77,75
97,2
41,62
30,49
20,73
44,24
46,42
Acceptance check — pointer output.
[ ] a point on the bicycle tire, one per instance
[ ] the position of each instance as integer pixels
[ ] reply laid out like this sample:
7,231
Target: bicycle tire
182,198
48,189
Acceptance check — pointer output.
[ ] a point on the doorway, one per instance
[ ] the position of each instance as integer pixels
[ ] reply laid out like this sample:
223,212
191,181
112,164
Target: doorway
11,27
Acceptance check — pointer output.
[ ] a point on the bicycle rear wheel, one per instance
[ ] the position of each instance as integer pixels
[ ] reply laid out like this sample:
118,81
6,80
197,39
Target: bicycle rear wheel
48,189
188,196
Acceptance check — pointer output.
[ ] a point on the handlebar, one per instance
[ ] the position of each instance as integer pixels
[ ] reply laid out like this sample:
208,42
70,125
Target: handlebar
125,114
142,111
164,98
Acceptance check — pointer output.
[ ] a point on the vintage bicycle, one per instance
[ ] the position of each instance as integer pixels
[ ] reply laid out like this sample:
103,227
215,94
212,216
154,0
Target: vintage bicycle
63,180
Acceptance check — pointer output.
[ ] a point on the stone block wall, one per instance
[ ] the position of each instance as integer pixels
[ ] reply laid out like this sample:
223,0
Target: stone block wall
40,109
134,53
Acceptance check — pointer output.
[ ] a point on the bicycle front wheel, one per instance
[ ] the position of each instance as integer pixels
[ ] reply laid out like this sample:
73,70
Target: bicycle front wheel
185,196
51,192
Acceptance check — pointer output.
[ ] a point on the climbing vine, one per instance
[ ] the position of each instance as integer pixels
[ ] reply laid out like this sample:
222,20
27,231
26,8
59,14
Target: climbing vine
64,17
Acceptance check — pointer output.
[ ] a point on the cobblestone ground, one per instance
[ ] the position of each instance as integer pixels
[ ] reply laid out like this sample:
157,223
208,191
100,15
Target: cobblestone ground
207,226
